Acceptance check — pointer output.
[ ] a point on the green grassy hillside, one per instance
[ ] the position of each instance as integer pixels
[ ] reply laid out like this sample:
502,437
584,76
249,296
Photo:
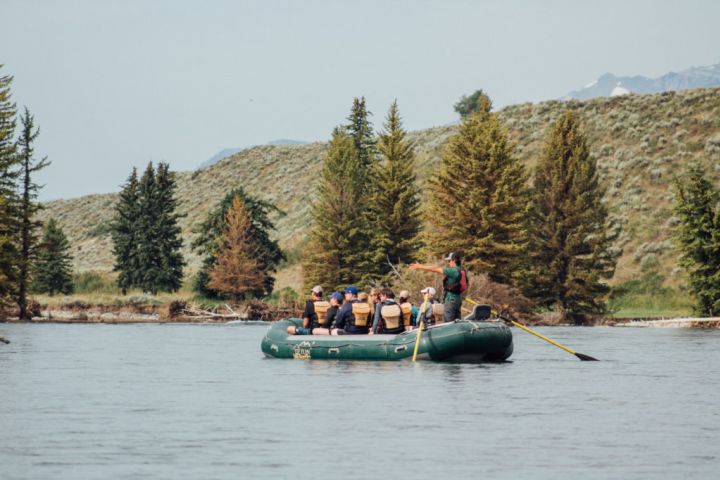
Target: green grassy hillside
640,142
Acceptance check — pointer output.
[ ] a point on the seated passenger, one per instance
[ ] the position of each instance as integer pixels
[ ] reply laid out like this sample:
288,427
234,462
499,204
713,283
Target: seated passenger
388,314
327,324
409,310
432,312
314,308
353,316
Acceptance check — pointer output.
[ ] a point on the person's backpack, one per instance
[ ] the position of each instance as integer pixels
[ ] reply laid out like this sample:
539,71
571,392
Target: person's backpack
464,282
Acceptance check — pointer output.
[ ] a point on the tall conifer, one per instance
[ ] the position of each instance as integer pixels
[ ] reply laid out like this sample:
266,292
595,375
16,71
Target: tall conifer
53,269
479,200
168,231
125,231
9,211
361,131
394,198
236,271
698,237
337,253
28,208
215,226
572,249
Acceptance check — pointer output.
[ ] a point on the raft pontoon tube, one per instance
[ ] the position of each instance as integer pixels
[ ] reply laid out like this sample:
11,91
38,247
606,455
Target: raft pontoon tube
459,341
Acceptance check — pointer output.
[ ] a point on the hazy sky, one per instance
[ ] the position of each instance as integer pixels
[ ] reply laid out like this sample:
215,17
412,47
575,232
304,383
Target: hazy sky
119,83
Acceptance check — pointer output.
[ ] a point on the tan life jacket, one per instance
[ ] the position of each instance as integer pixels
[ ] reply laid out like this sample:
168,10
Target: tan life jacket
321,308
438,311
391,315
407,313
361,312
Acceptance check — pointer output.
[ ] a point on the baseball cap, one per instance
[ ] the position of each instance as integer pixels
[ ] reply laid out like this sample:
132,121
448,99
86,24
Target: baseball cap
352,290
404,294
317,289
337,296
452,256
429,290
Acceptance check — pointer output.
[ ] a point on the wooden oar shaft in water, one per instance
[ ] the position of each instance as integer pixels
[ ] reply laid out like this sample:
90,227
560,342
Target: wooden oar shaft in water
581,356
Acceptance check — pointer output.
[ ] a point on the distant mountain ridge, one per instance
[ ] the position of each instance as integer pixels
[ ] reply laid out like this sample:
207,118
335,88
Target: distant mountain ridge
609,85
228,152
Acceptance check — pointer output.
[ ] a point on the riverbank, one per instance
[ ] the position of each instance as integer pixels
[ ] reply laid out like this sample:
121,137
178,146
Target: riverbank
169,311
180,311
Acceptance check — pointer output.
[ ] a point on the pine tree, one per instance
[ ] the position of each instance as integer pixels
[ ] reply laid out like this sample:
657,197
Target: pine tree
338,252
698,237
168,231
479,200
53,269
149,249
572,248
360,129
28,208
478,101
236,271
9,211
125,230
214,227
394,203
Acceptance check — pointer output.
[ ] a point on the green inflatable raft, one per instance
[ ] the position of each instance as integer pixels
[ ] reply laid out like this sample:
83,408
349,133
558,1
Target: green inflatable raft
466,341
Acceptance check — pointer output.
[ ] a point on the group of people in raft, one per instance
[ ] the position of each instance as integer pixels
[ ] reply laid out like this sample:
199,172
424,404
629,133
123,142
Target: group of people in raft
379,312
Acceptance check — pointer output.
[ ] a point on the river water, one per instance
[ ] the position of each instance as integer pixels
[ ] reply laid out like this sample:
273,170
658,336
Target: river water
200,401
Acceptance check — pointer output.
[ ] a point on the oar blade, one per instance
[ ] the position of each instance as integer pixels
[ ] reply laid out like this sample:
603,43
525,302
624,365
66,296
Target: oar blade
586,358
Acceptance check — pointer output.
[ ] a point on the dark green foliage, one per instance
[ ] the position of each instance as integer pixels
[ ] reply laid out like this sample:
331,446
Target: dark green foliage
394,198
338,252
126,235
360,129
146,235
698,237
476,102
28,207
9,204
171,262
479,201
214,227
572,242
53,269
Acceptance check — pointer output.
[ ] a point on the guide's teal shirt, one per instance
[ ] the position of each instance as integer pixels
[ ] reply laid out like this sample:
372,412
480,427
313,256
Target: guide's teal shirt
453,276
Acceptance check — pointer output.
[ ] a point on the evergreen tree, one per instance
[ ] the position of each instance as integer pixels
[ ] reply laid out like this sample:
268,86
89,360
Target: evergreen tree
149,251
394,200
479,200
215,226
360,129
698,236
236,270
9,211
125,230
572,249
53,269
28,208
478,101
168,231
338,251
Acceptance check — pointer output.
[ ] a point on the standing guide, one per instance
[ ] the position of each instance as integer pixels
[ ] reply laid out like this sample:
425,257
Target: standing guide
454,284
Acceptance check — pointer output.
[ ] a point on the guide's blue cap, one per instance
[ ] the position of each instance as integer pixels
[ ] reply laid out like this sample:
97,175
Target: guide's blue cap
352,290
337,296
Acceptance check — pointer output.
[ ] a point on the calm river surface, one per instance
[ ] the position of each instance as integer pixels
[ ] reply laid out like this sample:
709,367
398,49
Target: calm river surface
200,401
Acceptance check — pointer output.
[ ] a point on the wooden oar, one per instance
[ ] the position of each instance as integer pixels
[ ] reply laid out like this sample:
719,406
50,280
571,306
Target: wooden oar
420,329
581,356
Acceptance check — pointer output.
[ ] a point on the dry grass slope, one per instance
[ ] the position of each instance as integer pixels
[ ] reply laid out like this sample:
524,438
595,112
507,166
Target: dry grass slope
640,142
